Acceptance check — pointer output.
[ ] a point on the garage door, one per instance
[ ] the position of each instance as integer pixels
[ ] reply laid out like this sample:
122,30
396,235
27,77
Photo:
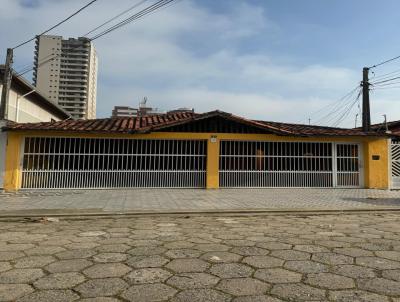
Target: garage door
289,164
395,148
60,162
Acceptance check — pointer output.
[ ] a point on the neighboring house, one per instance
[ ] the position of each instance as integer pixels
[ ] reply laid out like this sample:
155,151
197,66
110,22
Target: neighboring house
26,105
126,111
393,129
181,110
142,110
188,150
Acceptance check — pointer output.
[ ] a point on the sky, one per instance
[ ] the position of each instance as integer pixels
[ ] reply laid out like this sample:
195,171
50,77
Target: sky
286,60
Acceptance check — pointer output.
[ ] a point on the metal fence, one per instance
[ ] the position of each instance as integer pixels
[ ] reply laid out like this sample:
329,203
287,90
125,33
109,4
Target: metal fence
61,162
395,156
64,162
347,165
288,164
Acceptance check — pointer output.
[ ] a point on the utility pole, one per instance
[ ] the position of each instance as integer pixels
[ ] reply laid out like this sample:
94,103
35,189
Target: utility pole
6,85
366,114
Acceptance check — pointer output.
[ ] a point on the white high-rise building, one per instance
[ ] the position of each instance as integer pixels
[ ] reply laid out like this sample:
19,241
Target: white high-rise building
66,71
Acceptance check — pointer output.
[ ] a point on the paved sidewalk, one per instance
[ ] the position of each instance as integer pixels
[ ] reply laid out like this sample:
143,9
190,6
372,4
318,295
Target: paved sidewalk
341,258
187,200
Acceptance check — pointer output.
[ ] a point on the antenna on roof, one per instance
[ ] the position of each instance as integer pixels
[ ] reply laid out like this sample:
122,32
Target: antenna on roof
385,122
143,102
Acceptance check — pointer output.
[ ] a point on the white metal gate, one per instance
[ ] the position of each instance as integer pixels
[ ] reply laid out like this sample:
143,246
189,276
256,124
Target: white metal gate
62,162
395,155
289,164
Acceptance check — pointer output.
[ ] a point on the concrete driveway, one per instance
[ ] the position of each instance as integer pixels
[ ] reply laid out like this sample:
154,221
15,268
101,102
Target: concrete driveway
188,200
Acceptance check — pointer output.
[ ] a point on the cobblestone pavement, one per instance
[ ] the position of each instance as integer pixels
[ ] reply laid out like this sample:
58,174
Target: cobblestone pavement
159,200
354,257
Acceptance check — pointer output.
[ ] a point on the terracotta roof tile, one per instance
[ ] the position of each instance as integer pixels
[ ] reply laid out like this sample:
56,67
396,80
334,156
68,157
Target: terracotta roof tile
161,122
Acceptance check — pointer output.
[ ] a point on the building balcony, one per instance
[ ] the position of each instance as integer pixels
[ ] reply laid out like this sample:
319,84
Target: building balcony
74,86
75,56
67,48
72,108
68,80
80,70
63,88
73,73
82,64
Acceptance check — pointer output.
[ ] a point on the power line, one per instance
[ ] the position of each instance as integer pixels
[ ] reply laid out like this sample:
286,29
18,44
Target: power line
22,72
347,111
387,84
384,62
338,107
134,17
116,17
58,24
335,103
42,62
334,116
331,117
149,10
29,67
47,59
359,111
387,75
165,6
392,87
385,81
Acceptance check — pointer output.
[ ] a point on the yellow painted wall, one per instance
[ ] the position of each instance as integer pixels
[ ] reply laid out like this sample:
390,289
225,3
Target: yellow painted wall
376,173
188,135
212,163
12,176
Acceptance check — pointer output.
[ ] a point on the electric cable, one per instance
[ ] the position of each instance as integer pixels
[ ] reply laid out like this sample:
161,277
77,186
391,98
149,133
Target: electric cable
58,24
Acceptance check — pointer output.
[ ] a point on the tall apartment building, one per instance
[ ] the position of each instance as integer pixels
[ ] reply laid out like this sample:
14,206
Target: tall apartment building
66,71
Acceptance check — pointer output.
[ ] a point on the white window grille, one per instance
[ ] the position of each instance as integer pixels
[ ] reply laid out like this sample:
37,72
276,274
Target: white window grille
288,164
61,162
395,158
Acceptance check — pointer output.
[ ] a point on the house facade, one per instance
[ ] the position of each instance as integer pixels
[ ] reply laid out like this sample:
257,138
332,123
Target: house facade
393,128
188,150
25,105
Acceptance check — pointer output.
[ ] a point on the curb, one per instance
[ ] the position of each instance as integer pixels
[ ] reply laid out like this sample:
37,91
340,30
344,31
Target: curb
249,212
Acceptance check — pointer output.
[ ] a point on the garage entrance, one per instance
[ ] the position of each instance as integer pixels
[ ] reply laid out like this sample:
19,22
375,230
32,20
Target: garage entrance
246,164
395,155
63,163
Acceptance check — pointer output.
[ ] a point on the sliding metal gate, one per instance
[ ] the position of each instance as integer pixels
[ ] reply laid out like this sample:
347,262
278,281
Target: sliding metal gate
395,155
60,162
289,164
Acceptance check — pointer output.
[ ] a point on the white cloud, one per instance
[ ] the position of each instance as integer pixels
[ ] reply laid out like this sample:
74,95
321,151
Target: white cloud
187,55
